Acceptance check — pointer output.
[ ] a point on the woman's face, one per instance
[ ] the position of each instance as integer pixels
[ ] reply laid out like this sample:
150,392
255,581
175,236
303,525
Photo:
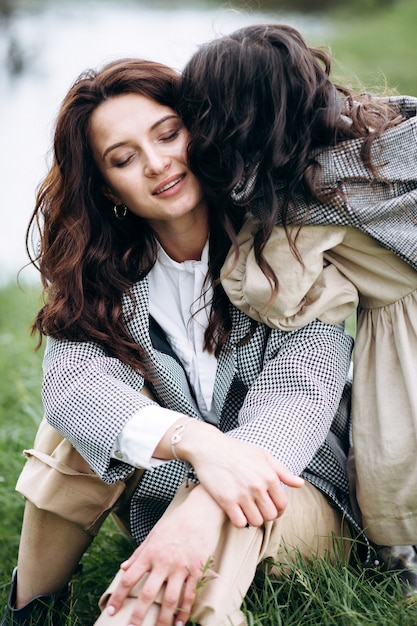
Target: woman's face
140,147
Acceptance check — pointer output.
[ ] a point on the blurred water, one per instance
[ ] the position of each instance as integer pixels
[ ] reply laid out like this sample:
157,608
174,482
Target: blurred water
53,46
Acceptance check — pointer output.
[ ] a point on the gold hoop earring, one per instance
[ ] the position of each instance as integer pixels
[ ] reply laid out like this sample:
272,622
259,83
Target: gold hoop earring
122,215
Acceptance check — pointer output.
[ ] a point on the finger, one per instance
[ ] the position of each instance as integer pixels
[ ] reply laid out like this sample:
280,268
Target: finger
171,600
279,497
235,514
187,600
267,508
146,599
258,505
132,559
287,477
249,512
126,581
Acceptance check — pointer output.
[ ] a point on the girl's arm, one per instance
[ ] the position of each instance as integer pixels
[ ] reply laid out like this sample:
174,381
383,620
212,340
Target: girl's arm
307,290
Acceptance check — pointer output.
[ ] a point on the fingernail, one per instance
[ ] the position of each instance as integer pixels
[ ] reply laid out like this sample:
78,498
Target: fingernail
110,609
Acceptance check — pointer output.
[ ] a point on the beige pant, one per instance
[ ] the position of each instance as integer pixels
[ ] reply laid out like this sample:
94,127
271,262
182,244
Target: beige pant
310,525
57,479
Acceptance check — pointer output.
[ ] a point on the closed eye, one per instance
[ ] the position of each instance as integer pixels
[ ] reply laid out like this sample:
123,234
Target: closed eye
171,136
124,162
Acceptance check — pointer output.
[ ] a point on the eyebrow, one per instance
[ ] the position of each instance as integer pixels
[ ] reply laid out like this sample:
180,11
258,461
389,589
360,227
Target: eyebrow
155,125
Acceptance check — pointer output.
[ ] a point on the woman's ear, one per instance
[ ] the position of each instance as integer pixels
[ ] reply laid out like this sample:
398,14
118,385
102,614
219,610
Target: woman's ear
107,193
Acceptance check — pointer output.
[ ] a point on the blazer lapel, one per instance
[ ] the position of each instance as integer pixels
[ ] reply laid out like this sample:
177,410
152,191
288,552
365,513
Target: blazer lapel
172,388
227,364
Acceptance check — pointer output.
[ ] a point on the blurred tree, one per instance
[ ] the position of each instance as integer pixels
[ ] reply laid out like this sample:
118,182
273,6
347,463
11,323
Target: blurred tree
6,8
313,6
290,6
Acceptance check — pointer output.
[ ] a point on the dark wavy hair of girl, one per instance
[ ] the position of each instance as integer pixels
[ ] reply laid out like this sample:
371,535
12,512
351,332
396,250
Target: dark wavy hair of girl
88,259
261,96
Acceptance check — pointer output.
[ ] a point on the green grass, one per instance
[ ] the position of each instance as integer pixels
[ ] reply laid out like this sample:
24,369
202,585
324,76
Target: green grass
20,376
308,594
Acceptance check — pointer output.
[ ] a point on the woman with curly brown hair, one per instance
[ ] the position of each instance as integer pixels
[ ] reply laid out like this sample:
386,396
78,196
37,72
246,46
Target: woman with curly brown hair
130,256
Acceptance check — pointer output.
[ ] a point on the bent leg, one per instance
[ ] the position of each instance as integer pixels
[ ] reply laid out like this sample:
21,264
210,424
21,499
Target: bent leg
66,504
309,524
311,527
49,552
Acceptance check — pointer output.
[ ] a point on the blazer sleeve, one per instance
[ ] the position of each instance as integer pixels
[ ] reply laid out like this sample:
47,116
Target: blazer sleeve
290,407
89,397
384,208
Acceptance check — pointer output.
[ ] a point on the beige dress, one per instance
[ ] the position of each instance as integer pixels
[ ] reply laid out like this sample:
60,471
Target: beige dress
384,400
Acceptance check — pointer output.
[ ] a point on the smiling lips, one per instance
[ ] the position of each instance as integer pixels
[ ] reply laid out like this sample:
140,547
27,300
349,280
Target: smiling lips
169,185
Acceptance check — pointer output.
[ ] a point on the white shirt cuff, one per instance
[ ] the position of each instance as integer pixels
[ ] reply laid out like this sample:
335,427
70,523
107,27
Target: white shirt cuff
140,436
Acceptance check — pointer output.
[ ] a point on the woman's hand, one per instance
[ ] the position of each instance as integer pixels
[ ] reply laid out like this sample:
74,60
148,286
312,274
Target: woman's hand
173,557
244,479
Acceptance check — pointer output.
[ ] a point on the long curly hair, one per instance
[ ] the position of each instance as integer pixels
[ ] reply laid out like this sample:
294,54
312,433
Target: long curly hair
261,97
88,259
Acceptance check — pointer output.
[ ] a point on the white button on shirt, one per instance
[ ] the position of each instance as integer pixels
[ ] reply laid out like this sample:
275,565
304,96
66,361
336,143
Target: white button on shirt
177,303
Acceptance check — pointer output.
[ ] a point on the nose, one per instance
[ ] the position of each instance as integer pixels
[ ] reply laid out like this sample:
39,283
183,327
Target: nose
155,161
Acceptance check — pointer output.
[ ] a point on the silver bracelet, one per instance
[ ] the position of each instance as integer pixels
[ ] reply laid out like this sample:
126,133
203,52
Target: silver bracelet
176,438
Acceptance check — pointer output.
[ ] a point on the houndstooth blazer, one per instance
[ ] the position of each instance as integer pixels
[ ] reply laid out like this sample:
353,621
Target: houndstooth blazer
284,391
386,211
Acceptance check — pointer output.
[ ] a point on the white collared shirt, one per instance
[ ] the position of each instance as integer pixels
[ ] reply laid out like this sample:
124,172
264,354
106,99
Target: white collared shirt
177,303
